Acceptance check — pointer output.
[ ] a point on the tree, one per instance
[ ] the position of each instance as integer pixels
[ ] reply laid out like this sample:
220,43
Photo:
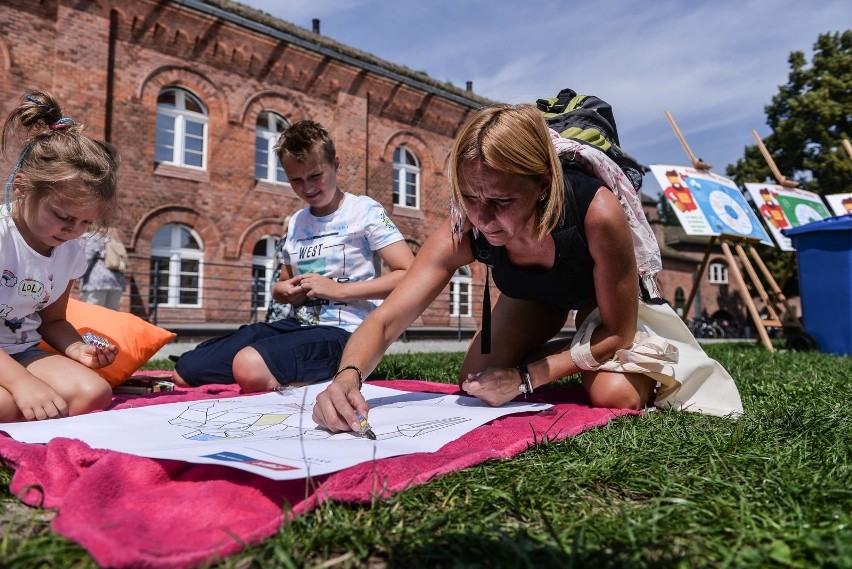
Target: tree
809,117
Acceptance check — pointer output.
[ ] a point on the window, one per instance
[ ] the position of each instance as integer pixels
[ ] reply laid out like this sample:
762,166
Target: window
718,273
176,259
680,301
460,289
266,164
406,176
181,129
261,272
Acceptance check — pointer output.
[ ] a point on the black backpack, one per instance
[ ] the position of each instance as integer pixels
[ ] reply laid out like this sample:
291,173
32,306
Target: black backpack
588,119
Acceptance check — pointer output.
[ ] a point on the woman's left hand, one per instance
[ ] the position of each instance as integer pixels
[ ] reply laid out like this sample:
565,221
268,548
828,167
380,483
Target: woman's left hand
494,386
93,357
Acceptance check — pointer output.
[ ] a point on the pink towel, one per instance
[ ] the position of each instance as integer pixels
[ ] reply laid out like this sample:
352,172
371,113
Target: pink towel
130,511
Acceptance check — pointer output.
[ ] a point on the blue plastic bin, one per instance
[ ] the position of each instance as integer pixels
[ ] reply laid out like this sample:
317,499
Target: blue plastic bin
824,251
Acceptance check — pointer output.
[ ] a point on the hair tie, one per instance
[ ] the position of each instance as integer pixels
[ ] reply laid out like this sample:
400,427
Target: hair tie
61,123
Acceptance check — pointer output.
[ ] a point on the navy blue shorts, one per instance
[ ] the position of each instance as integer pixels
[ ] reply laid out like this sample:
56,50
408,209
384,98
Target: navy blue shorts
292,352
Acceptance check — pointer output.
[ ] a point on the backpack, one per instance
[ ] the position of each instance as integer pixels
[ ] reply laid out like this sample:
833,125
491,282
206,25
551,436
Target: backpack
589,120
115,256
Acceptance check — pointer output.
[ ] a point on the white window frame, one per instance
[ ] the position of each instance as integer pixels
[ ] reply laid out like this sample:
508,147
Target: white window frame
267,136
181,117
717,273
462,280
176,255
266,263
405,163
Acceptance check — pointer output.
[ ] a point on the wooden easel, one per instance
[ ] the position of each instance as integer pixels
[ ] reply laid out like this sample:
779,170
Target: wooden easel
848,146
771,298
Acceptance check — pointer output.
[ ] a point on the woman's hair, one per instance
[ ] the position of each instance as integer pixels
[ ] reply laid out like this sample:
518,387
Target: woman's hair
303,139
512,139
57,154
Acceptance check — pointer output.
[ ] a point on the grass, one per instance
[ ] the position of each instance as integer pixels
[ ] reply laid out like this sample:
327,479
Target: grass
772,489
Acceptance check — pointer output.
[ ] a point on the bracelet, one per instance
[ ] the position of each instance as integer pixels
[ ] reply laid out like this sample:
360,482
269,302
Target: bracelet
526,386
357,370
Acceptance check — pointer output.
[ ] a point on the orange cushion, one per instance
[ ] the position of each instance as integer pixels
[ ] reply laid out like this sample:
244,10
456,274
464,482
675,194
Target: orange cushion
137,339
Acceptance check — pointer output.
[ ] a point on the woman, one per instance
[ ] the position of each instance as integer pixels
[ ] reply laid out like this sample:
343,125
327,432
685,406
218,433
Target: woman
510,190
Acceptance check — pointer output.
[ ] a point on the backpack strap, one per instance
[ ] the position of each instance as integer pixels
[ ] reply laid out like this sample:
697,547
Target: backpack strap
559,105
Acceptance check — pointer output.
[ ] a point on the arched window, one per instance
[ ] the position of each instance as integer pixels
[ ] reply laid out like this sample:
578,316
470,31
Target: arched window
718,273
181,129
680,301
262,265
176,261
266,164
406,176
460,290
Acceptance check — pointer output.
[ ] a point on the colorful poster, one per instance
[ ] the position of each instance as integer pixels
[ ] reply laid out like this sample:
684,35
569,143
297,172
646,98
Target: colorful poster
840,203
784,208
708,204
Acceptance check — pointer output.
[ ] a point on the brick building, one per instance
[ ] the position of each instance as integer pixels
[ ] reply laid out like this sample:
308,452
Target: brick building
194,94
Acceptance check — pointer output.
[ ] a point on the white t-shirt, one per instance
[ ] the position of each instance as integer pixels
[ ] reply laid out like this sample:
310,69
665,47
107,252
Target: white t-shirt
340,246
31,281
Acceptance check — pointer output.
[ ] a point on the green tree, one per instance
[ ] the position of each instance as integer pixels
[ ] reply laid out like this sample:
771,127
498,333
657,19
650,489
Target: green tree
809,117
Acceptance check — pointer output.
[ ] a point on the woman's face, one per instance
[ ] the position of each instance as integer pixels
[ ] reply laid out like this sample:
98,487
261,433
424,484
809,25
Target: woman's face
501,206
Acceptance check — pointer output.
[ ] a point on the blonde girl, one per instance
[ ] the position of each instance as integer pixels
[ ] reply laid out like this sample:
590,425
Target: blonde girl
62,185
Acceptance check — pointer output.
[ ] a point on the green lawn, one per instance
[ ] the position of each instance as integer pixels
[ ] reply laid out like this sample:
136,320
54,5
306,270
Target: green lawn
772,489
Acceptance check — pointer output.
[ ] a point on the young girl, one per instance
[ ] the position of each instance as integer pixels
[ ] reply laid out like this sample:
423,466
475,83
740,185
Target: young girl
63,184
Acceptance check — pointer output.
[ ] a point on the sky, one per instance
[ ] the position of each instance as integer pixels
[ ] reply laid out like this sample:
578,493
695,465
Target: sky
714,65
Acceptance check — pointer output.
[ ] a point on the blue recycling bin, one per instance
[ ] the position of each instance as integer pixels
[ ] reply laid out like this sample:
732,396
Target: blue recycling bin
824,251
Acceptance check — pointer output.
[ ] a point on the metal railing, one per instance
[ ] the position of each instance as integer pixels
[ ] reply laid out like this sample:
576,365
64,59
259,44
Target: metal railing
223,295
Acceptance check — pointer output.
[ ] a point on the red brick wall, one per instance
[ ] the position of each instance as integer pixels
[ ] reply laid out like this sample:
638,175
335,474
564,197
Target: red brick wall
65,46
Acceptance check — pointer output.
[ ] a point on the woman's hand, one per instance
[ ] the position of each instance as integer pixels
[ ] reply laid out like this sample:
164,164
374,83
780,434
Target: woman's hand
38,401
494,386
93,357
336,405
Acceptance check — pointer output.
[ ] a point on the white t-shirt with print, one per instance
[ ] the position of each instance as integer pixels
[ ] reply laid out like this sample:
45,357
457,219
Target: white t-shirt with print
30,282
340,246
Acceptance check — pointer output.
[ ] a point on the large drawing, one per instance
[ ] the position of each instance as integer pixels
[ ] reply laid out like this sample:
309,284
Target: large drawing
784,208
840,203
708,204
273,434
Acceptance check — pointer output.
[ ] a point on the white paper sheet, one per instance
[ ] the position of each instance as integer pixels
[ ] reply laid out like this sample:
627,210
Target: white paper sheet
273,434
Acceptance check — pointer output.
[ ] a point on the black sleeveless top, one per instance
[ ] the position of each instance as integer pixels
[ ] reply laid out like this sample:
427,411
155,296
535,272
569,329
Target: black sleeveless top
569,284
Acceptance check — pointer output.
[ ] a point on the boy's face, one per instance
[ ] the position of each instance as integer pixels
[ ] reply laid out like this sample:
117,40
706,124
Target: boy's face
315,181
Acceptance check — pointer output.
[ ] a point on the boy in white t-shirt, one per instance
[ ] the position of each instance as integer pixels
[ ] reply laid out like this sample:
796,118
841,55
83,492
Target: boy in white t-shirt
331,276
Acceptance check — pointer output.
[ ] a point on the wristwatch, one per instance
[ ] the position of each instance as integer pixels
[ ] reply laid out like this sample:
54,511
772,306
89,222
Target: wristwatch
526,386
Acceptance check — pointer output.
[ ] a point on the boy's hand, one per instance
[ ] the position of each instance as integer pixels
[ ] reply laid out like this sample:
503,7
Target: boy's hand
318,286
290,291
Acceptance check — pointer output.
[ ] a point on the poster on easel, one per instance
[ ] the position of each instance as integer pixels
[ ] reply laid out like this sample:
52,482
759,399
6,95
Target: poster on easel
708,204
785,208
840,203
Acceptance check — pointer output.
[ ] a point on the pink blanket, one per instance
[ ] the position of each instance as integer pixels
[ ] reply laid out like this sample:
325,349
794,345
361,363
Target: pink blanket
129,511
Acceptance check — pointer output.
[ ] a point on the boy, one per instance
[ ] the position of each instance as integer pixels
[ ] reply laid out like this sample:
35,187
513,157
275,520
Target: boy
331,276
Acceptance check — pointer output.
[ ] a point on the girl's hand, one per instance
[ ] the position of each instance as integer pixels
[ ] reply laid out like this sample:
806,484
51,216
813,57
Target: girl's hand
38,401
93,357
494,386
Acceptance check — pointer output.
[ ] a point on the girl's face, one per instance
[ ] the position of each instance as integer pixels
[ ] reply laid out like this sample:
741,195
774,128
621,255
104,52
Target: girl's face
501,206
315,182
51,223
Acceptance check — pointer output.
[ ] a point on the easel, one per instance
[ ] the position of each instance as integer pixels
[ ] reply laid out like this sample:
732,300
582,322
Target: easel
848,146
770,299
